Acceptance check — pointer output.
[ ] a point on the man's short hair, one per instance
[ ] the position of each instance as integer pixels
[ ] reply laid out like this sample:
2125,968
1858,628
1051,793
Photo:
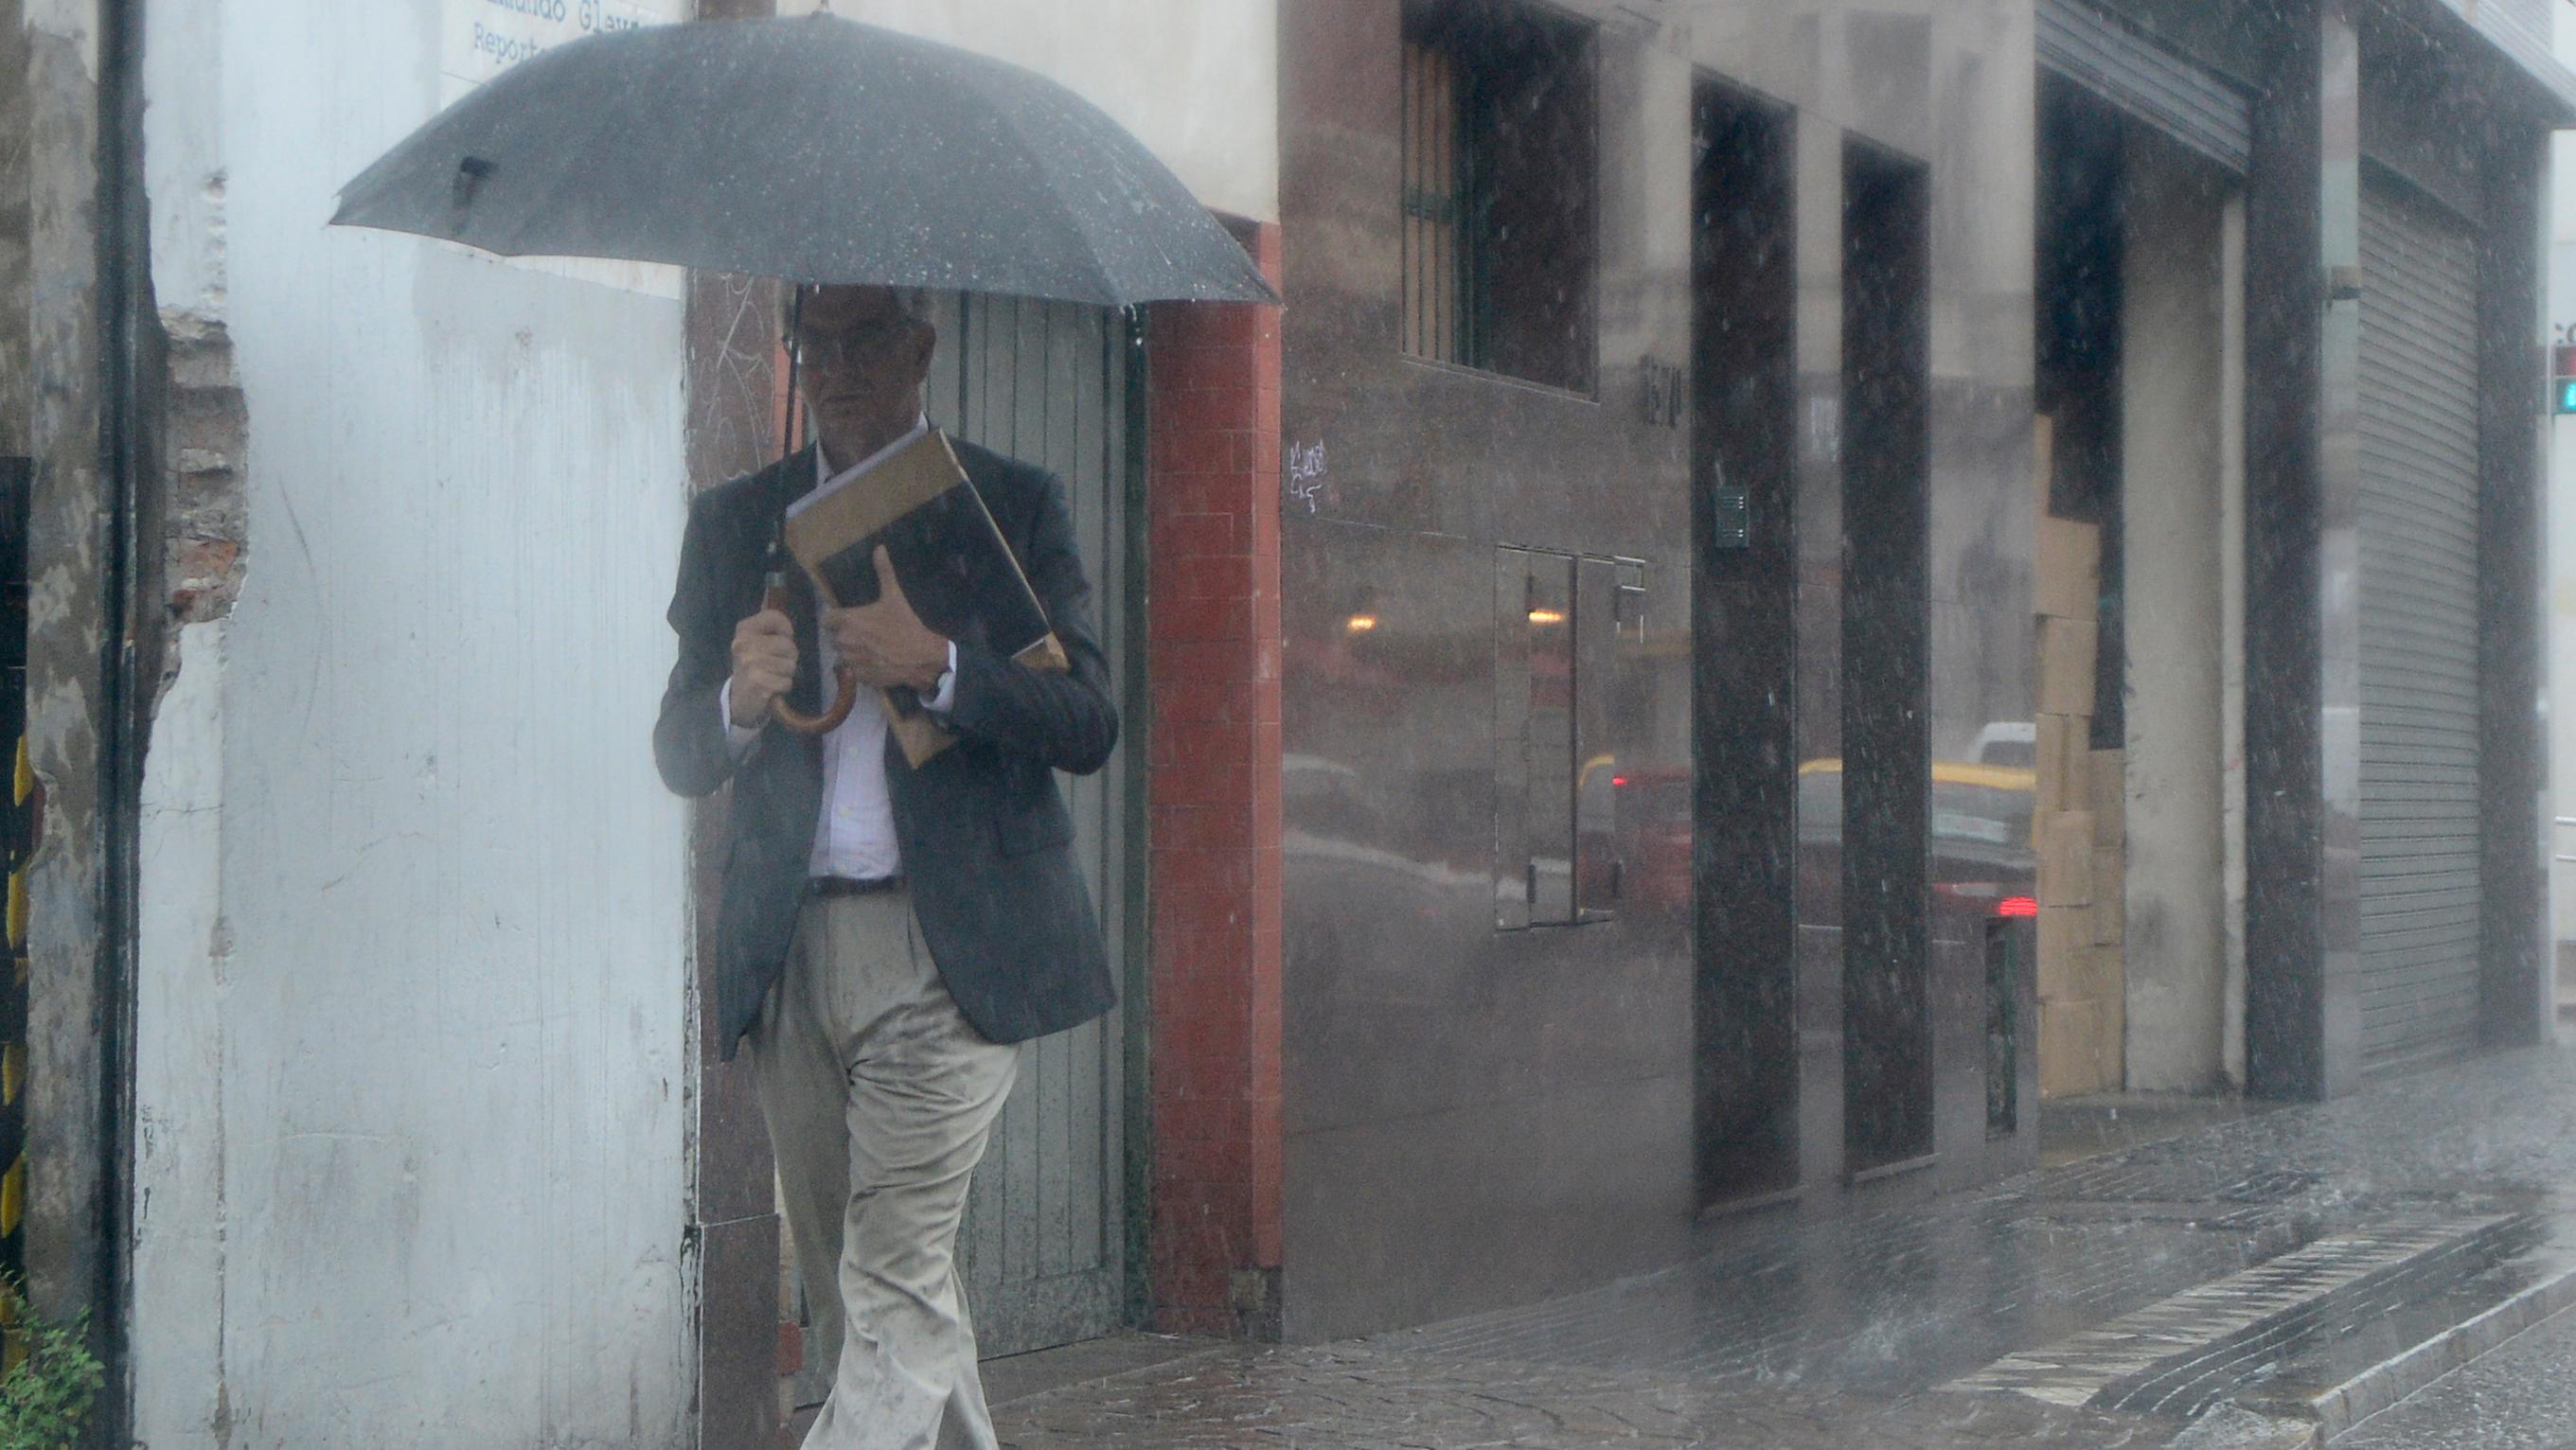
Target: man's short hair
918,303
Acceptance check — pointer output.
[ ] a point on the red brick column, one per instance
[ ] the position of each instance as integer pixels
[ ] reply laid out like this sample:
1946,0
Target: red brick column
1213,622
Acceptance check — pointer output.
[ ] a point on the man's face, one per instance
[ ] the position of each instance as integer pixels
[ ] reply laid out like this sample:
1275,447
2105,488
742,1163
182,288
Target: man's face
860,365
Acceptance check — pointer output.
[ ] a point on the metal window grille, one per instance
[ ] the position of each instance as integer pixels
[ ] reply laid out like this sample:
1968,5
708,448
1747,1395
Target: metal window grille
1439,209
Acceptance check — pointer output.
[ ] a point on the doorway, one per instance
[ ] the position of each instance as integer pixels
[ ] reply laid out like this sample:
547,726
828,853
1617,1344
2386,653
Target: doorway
2138,600
1043,1250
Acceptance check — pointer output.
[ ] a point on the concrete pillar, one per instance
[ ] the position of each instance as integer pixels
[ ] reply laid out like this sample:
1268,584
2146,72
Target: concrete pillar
2231,630
2302,548
70,1160
2517,988
2175,945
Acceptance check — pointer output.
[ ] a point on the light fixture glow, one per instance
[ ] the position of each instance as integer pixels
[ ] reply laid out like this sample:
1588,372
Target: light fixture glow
1361,623
1547,616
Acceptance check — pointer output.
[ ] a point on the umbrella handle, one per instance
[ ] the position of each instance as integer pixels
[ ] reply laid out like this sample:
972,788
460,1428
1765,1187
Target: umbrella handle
830,720
847,678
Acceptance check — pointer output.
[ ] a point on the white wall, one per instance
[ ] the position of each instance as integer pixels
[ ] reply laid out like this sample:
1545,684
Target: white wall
414,1005
2172,465
1196,81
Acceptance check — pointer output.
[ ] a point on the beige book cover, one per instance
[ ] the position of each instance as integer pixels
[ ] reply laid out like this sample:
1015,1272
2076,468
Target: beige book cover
916,501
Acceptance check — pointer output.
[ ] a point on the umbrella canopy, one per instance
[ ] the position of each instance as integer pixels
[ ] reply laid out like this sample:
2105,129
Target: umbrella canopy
814,149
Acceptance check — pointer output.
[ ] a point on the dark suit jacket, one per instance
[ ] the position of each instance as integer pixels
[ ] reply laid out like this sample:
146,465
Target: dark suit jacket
987,843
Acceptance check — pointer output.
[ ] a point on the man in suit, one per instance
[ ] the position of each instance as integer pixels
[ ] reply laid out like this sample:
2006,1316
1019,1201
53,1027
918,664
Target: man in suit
887,935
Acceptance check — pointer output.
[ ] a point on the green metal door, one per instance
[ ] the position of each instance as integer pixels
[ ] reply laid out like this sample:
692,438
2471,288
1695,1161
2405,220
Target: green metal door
1043,1248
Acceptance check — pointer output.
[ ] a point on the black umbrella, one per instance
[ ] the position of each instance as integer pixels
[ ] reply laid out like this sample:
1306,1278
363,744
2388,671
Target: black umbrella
810,150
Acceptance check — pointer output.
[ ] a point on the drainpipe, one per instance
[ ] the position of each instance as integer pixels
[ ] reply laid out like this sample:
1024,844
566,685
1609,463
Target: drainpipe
128,450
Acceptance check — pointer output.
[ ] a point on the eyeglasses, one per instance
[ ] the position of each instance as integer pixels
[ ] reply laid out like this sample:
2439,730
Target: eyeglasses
850,346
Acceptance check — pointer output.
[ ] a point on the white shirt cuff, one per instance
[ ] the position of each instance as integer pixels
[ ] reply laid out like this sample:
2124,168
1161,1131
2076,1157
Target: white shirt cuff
737,739
946,700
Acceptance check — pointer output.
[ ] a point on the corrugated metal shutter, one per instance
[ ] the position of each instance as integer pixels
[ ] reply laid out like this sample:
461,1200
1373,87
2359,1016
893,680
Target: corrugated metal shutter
2162,87
2419,630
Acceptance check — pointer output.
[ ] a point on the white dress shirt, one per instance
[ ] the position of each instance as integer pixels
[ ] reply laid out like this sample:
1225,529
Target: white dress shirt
854,831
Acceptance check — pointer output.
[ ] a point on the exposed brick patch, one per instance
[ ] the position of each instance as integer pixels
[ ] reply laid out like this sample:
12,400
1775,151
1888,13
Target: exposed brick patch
207,530
1213,630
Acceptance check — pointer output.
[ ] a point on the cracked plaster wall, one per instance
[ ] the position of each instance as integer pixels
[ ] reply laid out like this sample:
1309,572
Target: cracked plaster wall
13,233
412,982
68,1151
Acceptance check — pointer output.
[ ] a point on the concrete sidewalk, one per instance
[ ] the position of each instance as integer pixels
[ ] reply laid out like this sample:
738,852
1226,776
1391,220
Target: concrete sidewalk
2268,1280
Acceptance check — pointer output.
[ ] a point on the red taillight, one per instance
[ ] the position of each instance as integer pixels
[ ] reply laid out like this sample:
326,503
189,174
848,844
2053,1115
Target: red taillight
2017,906
1618,780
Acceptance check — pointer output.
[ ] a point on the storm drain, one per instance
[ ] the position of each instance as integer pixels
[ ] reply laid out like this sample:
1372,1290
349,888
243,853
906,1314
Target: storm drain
2147,1359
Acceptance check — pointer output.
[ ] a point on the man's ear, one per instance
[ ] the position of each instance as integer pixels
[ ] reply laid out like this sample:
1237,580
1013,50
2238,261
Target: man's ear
925,339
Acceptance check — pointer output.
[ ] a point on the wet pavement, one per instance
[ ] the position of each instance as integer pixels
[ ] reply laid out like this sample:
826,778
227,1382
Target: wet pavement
1358,1397
2313,1264
2521,1396
2087,1127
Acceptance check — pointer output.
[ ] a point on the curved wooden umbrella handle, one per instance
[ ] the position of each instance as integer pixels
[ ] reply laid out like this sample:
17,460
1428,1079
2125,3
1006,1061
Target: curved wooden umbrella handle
848,680
830,720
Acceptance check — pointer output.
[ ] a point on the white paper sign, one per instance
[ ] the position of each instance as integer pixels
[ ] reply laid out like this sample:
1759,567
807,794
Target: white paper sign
482,38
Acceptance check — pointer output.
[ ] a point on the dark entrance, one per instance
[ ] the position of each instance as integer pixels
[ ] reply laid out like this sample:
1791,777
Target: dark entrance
1743,460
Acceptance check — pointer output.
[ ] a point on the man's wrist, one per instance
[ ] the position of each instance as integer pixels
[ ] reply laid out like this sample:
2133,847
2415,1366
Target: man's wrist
737,736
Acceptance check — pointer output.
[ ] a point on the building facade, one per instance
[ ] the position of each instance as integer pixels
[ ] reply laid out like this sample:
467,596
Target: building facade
1795,583
2067,705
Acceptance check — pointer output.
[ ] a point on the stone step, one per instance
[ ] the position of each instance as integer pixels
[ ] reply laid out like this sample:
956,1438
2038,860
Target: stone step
2306,1344
2387,1341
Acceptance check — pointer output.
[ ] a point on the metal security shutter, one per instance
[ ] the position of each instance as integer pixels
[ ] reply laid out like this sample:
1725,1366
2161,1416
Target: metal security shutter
2419,631
1043,1248
2168,90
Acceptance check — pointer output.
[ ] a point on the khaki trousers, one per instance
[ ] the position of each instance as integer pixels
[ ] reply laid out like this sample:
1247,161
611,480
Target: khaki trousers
880,1098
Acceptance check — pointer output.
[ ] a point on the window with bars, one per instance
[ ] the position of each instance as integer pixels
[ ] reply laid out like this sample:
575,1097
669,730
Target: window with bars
1438,322
1497,211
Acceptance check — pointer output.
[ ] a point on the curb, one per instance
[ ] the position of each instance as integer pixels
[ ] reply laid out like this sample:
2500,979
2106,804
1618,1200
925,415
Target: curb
2400,1375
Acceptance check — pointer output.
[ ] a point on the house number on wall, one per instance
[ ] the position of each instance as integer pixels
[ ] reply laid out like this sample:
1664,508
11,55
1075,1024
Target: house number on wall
1666,391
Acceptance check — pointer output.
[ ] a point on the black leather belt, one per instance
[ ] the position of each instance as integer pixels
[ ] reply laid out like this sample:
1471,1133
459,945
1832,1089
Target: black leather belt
850,886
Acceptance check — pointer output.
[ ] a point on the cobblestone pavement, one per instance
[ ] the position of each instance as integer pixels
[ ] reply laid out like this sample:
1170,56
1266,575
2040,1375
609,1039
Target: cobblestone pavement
1838,1332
